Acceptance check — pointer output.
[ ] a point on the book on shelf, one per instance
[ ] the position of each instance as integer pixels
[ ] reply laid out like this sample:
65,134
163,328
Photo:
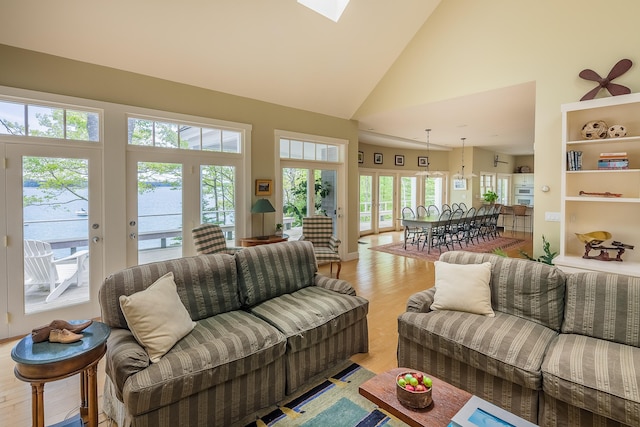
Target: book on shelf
620,155
613,164
574,160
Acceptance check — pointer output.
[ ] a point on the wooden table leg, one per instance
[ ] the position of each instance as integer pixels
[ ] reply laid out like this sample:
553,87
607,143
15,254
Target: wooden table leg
37,404
92,374
84,406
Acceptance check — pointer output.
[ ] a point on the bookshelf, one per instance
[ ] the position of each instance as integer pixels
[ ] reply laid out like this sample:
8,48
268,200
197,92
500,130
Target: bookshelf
601,185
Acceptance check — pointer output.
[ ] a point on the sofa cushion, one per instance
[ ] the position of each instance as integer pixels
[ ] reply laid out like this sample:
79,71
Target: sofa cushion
600,376
528,289
218,349
146,314
268,271
311,315
206,284
603,305
508,347
469,280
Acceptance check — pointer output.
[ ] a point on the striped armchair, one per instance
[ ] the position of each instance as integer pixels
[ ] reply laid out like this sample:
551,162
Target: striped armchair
319,231
209,239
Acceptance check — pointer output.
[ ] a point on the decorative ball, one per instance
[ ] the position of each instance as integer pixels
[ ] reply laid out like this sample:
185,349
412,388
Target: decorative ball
617,131
595,130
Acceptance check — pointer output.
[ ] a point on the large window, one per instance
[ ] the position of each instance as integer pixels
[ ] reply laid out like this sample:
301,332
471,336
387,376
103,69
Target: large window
169,134
48,121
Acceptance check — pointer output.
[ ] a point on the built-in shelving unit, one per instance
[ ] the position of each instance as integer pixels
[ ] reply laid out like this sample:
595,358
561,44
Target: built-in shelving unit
586,213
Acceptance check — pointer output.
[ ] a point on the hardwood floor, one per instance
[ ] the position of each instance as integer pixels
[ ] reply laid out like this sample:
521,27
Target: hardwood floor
385,280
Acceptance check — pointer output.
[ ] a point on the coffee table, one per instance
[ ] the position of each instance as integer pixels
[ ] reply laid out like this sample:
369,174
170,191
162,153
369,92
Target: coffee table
447,400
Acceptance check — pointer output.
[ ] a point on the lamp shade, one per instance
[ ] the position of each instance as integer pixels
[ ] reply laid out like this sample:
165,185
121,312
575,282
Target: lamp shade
262,206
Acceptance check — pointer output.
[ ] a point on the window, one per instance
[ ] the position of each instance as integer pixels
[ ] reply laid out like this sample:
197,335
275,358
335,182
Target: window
47,121
164,134
487,182
307,150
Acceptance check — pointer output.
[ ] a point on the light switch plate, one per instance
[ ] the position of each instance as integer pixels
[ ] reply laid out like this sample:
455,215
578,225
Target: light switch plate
552,216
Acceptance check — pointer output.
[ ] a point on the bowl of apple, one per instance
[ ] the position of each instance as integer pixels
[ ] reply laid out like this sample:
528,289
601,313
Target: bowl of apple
413,389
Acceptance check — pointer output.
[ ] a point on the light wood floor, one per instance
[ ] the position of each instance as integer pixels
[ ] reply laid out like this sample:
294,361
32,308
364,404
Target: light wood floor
385,280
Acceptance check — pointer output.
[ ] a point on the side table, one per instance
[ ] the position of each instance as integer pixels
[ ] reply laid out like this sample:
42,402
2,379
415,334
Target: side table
39,363
255,241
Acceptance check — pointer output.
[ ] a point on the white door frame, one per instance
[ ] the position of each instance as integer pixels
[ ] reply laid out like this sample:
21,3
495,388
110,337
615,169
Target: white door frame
19,322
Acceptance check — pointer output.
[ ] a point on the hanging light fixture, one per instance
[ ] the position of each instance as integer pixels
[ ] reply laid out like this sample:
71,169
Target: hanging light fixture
460,174
426,171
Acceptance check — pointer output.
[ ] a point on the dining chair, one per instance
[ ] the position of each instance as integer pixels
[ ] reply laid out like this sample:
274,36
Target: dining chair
413,233
520,211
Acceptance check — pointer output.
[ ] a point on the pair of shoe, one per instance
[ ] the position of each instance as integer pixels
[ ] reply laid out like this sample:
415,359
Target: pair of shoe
64,336
43,333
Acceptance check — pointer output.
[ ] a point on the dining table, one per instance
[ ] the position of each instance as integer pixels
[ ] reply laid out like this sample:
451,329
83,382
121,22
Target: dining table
428,223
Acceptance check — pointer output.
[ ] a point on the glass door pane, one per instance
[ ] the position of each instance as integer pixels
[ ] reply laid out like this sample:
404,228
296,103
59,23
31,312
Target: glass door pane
385,202
434,191
55,212
218,195
366,201
159,211
325,195
408,192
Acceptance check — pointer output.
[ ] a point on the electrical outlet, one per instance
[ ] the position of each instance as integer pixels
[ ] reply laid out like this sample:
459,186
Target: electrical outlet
552,216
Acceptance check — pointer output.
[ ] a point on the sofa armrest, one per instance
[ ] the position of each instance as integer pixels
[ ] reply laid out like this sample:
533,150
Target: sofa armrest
125,357
420,302
336,285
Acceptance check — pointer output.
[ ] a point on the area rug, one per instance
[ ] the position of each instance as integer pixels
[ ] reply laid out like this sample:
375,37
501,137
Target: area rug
334,402
412,251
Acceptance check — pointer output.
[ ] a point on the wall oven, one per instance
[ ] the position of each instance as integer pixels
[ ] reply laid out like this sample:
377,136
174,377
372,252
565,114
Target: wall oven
523,191
524,200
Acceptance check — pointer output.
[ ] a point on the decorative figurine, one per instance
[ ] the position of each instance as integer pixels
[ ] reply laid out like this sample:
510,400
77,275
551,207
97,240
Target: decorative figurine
594,240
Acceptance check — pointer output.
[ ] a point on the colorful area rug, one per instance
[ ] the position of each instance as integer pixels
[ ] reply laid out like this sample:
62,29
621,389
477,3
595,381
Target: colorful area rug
412,251
334,402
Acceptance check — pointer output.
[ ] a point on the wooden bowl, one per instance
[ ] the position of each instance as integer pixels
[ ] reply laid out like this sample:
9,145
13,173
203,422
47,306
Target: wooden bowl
413,399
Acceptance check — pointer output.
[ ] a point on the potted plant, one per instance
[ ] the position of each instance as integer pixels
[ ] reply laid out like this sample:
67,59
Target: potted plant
490,196
278,229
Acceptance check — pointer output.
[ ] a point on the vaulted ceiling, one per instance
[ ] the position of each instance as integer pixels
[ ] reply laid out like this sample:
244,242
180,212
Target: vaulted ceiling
276,51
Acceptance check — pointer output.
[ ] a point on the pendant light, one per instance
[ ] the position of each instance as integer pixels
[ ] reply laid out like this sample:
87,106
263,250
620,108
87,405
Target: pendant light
426,171
460,174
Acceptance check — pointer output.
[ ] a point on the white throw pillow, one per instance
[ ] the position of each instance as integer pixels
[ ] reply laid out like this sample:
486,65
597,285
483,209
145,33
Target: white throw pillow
156,316
463,287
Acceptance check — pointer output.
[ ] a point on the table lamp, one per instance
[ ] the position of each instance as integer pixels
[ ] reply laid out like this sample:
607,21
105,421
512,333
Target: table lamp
262,206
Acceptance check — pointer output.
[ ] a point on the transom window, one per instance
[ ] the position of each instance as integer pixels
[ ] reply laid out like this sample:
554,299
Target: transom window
307,150
48,121
185,136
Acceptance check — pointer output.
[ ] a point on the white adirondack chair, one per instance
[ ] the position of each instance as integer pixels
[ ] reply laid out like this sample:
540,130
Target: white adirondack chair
40,269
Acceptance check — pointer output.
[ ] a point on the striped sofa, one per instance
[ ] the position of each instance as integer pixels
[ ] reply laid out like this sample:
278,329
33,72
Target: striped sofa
266,322
562,350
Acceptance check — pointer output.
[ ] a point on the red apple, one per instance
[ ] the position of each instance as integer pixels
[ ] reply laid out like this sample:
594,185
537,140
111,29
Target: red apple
418,376
409,387
420,388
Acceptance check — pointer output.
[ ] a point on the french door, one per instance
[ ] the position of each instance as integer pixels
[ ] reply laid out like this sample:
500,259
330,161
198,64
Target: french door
366,204
166,199
54,234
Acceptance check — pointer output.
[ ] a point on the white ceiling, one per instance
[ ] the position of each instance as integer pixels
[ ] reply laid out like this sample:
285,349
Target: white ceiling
276,51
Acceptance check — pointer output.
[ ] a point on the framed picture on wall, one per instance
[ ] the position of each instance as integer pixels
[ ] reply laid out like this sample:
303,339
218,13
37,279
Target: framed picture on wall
263,187
423,162
360,156
399,160
377,158
460,184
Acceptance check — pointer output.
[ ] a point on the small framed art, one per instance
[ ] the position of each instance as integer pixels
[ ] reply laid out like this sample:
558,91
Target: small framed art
263,187
377,158
460,184
360,156
423,162
399,160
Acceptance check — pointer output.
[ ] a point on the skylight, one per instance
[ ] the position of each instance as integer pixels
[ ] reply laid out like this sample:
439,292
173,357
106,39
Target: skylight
331,9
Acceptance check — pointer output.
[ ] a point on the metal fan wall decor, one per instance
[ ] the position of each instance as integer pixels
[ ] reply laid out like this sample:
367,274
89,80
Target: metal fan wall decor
614,89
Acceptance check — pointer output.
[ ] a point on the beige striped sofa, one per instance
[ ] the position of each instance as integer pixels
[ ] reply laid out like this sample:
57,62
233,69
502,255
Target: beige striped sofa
562,350
266,322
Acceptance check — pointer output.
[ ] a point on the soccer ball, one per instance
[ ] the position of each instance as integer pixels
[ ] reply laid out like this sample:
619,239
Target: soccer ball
595,130
617,131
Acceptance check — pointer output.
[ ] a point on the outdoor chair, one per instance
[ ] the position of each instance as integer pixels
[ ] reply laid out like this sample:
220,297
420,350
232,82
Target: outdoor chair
40,268
209,239
319,231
